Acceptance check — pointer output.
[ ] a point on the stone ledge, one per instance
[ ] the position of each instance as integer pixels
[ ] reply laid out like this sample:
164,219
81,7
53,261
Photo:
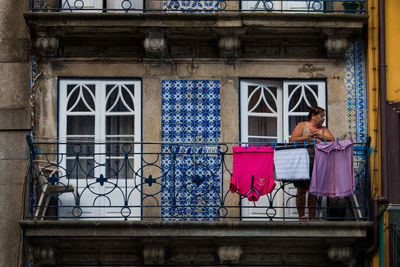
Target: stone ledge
196,229
236,20
226,35
134,243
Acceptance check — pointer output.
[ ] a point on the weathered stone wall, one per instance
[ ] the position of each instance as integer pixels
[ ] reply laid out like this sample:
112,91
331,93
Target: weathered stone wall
14,124
153,73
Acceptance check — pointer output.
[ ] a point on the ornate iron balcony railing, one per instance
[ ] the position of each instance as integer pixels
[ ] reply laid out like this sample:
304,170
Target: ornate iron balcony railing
202,6
169,181
389,246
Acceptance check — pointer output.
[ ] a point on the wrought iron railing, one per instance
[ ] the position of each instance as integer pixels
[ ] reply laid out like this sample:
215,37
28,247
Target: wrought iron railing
202,6
167,181
389,248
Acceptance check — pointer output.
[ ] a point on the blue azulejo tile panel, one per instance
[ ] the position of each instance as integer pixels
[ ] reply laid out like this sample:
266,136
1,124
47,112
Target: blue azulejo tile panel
193,6
356,91
191,183
356,106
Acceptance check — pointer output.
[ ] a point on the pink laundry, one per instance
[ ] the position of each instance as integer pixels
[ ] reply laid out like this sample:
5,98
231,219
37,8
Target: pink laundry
253,171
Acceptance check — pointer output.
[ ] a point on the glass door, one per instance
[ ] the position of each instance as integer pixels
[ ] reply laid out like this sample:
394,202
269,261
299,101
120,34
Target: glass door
98,123
261,121
270,110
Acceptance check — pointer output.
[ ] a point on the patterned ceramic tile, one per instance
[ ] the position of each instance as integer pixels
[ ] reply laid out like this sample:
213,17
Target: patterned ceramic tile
192,6
191,185
356,108
356,91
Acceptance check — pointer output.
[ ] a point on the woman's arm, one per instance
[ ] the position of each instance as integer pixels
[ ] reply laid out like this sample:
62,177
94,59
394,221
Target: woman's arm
297,132
327,134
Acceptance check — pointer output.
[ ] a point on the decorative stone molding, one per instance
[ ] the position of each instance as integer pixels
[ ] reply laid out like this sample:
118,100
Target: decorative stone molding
337,253
154,255
155,44
229,46
229,254
46,46
44,256
336,47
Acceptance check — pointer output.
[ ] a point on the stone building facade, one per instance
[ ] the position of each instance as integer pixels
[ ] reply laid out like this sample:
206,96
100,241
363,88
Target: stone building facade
150,56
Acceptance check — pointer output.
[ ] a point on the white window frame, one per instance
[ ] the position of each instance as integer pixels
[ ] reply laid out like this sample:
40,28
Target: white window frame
100,113
282,114
305,6
321,100
69,5
245,113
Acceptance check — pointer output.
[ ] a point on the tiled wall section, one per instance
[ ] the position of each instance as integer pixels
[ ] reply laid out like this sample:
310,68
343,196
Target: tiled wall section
190,113
356,92
186,6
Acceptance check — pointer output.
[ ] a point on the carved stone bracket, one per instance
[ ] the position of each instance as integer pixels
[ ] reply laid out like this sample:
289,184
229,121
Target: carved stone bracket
46,45
155,44
44,256
229,254
229,46
154,255
342,254
336,47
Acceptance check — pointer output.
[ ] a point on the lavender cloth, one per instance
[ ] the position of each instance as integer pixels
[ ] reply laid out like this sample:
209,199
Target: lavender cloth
333,173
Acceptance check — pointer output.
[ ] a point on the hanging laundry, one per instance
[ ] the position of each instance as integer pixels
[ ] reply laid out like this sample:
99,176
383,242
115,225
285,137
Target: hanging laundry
252,174
292,164
333,173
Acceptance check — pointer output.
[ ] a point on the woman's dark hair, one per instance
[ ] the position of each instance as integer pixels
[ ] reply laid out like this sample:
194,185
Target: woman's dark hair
315,111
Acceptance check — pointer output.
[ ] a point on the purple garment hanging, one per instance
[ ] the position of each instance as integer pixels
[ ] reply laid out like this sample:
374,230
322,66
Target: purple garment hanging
333,173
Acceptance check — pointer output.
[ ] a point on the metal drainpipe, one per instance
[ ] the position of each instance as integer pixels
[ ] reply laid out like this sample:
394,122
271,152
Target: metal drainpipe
376,215
382,91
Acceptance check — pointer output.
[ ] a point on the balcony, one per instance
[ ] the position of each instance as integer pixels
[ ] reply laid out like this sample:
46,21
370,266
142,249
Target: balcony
210,30
213,6
164,181
116,203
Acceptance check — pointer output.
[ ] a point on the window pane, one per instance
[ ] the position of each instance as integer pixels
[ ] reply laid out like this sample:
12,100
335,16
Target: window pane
309,90
119,146
82,96
120,169
262,126
120,125
297,97
81,146
264,107
80,125
120,98
83,167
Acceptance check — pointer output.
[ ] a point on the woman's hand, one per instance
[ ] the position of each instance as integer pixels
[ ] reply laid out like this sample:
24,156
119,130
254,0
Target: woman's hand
323,134
317,133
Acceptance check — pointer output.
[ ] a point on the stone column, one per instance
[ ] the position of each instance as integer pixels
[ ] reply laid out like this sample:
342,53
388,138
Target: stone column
14,123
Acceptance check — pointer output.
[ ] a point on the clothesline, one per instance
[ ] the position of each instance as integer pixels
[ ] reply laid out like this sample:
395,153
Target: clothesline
332,173
359,146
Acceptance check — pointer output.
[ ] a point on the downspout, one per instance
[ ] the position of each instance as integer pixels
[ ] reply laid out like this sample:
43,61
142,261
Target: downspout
382,93
376,214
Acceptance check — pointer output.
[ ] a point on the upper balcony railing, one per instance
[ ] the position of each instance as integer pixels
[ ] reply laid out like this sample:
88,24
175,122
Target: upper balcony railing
389,247
200,6
168,181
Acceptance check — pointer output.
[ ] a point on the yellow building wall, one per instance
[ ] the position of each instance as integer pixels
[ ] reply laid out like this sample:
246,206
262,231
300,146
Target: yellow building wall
373,97
373,104
393,49
392,27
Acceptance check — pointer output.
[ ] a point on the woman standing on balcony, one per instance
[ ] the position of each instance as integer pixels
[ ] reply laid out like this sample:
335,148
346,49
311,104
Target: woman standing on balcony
309,130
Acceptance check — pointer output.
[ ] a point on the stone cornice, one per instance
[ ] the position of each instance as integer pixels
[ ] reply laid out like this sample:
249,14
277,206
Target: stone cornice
321,229
230,20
